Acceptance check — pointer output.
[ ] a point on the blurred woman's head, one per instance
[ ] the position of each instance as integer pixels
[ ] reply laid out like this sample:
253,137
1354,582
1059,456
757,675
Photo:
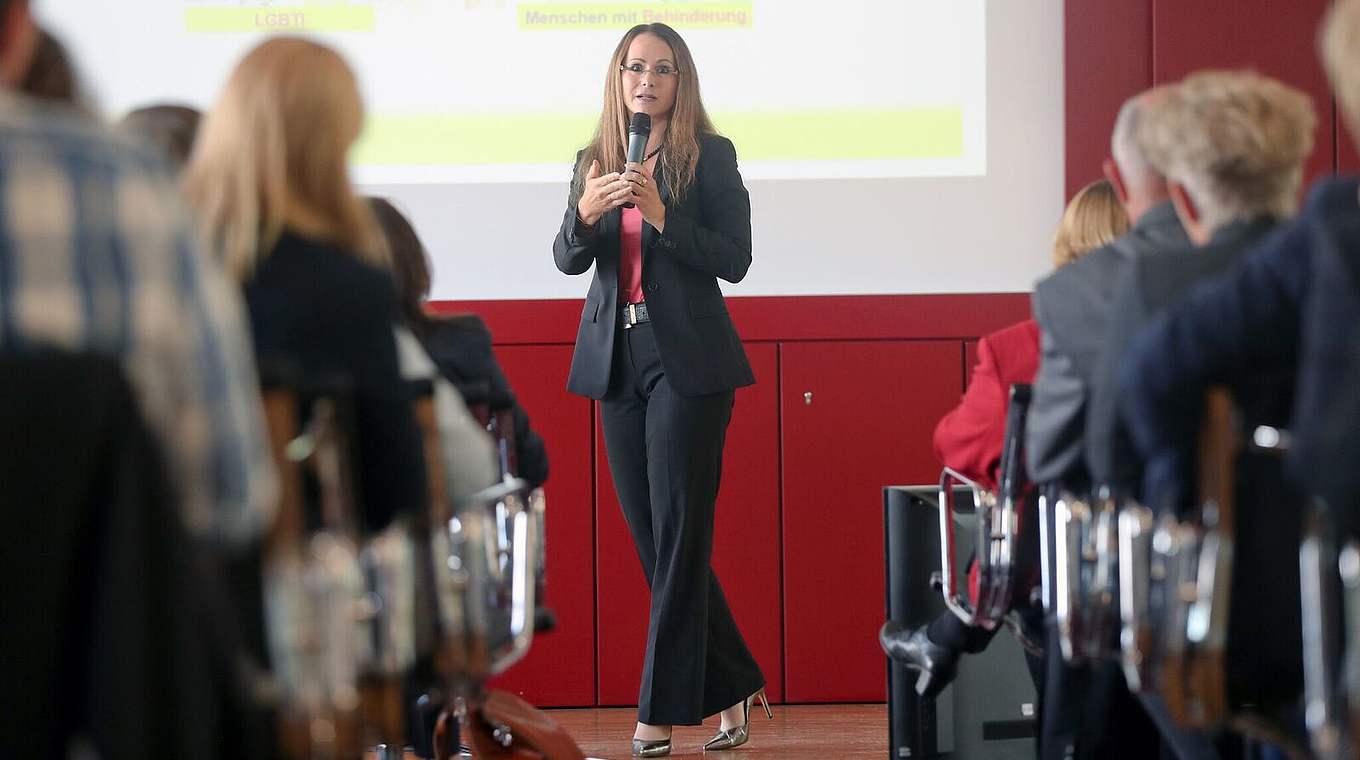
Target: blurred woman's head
1094,217
410,263
272,156
171,129
51,75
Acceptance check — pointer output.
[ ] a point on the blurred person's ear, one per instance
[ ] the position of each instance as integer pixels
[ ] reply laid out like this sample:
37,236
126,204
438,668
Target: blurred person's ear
18,40
1192,219
1111,171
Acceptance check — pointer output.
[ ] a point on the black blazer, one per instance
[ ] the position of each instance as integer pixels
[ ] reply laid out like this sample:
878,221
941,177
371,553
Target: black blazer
708,235
319,308
461,347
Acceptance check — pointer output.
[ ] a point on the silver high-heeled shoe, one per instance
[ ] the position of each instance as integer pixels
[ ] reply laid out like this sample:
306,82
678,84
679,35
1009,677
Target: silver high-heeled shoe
651,747
739,735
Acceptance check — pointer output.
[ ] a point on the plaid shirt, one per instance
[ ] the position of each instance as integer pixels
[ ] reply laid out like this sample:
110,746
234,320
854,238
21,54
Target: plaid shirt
96,255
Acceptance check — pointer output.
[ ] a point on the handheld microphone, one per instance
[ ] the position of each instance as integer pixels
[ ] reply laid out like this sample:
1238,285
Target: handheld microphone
639,129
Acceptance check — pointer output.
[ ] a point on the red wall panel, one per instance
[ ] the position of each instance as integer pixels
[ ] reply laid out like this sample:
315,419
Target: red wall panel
745,545
1275,38
780,318
866,424
1107,58
560,668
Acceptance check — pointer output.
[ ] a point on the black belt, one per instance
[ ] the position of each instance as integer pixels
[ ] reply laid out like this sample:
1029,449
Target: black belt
633,314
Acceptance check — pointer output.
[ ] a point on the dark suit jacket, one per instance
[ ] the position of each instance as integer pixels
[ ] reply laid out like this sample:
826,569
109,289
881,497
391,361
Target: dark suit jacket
1072,307
708,235
969,438
1148,285
1287,309
1292,304
319,308
461,347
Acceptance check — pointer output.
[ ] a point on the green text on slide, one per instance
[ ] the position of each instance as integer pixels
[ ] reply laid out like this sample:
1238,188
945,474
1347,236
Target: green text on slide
578,16
307,17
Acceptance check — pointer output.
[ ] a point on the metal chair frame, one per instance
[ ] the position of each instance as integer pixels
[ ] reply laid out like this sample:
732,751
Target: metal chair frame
316,606
1085,578
997,535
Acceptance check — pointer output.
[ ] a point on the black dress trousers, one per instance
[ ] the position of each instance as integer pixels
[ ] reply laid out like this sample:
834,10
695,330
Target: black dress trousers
665,455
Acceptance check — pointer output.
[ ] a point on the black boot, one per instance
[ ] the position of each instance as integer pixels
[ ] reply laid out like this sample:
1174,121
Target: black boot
912,648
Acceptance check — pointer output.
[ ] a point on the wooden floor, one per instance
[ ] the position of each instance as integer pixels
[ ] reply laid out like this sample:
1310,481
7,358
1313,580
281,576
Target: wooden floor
798,732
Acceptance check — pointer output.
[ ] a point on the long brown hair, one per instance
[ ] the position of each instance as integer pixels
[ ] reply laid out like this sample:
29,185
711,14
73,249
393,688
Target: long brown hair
688,120
272,155
410,263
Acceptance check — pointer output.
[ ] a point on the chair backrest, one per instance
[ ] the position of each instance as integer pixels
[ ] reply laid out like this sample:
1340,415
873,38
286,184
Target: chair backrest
1322,576
319,629
1014,478
1194,666
1349,564
997,540
486,551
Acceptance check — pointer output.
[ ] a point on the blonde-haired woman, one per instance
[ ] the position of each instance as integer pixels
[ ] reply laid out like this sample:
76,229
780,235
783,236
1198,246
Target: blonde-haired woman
658,349
1093,218
269,181
969,438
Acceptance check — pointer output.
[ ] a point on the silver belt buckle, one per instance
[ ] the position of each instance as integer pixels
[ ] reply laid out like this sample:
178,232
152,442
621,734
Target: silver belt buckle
632,316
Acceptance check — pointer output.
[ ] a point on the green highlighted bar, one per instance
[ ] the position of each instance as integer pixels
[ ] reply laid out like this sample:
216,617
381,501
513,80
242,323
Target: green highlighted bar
845,135
308,17
575,17
759,136
475,139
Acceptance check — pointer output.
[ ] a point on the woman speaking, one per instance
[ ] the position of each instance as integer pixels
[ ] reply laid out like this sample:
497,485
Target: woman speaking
658,349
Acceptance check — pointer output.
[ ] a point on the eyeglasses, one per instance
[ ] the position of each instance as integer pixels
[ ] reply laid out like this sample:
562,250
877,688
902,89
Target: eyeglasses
661,70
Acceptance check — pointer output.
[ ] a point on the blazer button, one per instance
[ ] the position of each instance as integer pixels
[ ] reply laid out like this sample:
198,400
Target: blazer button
652,287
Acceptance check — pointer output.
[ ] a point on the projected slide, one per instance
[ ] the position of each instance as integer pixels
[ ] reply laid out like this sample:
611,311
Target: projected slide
507,91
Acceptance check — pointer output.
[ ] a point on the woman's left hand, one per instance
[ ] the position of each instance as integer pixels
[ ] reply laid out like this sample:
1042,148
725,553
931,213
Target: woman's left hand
646,196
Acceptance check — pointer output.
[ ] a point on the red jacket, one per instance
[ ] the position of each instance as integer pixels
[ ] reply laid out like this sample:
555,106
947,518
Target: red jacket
969,438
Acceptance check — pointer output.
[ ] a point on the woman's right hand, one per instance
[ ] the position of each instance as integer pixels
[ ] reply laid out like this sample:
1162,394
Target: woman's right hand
602,193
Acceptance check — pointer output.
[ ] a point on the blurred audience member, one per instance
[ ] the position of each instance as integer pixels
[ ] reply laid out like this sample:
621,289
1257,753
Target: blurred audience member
969,439
1072,306
1088,710
469,455
1232,146
460,345
98,256
51,75
170,128
1292,305
271,186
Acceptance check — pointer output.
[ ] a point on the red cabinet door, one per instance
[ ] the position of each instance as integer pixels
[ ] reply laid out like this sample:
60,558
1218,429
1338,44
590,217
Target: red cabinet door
745,545
559,670
855,416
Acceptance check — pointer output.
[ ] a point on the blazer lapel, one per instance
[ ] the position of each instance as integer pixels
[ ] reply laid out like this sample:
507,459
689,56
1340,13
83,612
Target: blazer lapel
648,231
